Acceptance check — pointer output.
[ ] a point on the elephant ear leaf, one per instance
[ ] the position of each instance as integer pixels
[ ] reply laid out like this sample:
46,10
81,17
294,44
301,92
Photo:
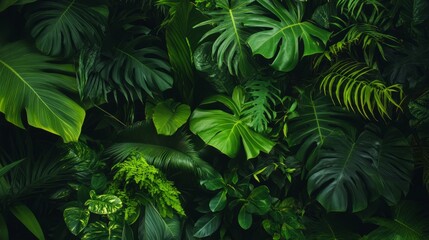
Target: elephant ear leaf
30,82
61,27
285,35
226,132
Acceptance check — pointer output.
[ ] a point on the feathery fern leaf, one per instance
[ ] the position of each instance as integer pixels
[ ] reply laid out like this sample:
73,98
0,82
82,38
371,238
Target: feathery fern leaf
260,106
229,47
172,154
62,27
348,82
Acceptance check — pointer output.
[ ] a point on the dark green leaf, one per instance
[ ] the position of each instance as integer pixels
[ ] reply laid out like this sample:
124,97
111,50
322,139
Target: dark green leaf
26,217
98,182
76,219
4,232
207,225
159,228
8,167
259,200
244,218
218,202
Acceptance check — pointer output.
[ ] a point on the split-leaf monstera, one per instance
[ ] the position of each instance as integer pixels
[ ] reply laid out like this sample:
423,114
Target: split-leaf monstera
226,131
287,33
30,82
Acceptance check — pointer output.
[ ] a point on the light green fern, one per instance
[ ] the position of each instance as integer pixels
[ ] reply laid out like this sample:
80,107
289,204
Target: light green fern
136,171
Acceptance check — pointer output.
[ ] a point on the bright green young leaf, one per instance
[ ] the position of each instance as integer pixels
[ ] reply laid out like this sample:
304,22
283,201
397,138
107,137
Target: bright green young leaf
207,225
62,27
218,202
244,218
76,219
227,132
26,217
285,35
159,228
168,116
30,82
100,230
230,45
103,204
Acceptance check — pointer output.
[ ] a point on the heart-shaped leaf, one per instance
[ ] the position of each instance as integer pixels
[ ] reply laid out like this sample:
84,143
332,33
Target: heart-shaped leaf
103,204
76,219
168,116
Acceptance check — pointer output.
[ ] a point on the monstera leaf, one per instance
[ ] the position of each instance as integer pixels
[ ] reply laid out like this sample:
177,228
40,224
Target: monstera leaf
61,27
285,35
226,131
230,45
318,118
30,82
350,171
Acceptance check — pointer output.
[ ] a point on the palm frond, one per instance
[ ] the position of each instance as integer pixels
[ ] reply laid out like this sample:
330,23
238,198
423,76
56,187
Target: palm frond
172,154
355,7
229,46
348,82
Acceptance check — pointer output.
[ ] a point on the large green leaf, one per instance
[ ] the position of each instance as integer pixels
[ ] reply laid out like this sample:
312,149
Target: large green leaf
76,219
226,131
26,217
159,228
103,204
62,27
318,118
168,116
100,230
351,171
285,35
207,225
408,222
30,82
230,45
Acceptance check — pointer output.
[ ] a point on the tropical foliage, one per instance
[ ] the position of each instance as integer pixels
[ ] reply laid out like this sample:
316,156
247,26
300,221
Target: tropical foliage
214,119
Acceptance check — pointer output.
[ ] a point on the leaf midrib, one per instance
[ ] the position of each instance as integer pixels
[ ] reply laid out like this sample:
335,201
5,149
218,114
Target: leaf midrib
237,37
32,90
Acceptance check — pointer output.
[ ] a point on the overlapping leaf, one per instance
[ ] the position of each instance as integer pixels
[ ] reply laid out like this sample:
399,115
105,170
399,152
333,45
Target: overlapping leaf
282,37
31,83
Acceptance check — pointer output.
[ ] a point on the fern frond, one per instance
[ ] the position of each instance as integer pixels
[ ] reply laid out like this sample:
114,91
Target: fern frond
260,106
135,170
348,83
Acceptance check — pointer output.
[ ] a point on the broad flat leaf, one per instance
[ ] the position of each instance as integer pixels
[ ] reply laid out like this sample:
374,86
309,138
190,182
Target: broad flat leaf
62,27
318,118
259,200
76,219
159,228
226,132
350,172
26,217
168,116
408,222
218,202
244,218
285,35
207,225
100,230
103,204
30,82
230,45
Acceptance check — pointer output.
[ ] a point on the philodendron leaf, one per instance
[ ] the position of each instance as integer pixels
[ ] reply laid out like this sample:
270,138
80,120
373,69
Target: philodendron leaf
76,219
168,116
285,34
244,218
207,225
103,204
100,230
26,217
226,131
31,83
